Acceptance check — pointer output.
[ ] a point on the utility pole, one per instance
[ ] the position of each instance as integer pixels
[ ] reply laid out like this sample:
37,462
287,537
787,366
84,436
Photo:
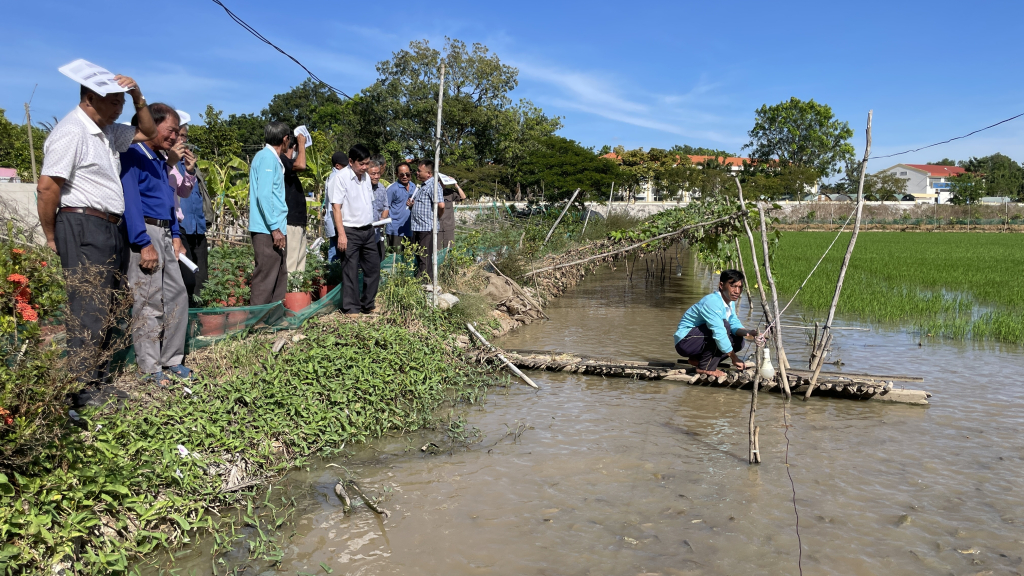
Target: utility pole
437,179
31,144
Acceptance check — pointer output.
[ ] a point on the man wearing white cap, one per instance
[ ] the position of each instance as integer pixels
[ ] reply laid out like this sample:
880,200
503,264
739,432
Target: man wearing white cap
81,207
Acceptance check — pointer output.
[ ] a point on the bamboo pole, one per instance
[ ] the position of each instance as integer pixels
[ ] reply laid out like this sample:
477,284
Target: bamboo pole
559,219
777,326
31,144
507,364
518,288
754,450
743,270
611,193
648,241
437,181
826,329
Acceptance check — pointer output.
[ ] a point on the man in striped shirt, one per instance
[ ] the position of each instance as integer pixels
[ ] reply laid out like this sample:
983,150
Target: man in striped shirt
422,204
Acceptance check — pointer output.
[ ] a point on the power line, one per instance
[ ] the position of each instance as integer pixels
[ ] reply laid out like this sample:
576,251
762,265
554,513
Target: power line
944,141
263,39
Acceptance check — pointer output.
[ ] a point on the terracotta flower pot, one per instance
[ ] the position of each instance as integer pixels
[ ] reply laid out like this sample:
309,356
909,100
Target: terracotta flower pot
324,290
296,301
212,324
236,320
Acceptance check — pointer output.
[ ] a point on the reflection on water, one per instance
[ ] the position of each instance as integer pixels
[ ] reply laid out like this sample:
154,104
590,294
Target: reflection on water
616,476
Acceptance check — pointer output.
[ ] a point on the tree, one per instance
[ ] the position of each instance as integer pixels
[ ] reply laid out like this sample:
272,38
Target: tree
14,150
299,106
775,183
402,105
687,150
564,165
966,189
943,162
214,138
1003,176
515,133
802,133
249,130
881,186
606,149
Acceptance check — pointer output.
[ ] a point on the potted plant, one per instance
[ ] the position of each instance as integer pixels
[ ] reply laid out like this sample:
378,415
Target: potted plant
299,287
239,298
214,294
331,277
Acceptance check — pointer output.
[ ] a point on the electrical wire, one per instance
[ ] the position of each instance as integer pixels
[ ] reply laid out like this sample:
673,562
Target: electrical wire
792,484
263,39
944,141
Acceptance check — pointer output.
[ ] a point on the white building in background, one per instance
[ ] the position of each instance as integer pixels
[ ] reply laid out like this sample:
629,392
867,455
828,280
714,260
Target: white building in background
927,183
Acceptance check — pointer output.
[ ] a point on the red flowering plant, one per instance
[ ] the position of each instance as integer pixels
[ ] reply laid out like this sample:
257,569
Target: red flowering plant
31,285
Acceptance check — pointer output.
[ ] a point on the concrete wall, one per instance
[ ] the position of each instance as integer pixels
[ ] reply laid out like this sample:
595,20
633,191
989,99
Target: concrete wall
19,201
917,182
466,211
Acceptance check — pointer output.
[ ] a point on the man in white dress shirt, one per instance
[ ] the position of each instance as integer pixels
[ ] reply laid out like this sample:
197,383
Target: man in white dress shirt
352,210
81,207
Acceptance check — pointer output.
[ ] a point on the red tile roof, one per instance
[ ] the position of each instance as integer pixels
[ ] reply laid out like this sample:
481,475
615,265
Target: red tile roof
936,171
734,161
611,156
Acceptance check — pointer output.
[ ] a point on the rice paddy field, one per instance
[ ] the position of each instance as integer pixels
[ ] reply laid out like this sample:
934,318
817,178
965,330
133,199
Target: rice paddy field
956,285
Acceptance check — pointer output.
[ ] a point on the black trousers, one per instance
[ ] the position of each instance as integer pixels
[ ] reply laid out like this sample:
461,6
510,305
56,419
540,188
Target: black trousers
425,258
362,252
93,253
198,251
700,344
270,276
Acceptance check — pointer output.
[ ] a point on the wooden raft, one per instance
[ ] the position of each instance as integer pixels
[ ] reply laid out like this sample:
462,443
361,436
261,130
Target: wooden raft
830,385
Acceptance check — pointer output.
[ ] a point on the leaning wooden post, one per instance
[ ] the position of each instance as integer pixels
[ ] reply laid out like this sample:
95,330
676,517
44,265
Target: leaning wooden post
512,367
755,451
437,181
743,270
559,219
777,327
827,328
610,194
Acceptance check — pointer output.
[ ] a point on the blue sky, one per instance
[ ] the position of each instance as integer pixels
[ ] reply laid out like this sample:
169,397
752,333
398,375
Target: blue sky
649,74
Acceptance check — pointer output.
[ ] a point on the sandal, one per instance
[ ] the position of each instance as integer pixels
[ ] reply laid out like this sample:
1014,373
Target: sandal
181,371
157,378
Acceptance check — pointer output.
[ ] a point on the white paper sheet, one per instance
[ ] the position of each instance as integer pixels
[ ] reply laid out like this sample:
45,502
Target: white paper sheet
188,263
94,77
446,180
305,132
381,222
183,117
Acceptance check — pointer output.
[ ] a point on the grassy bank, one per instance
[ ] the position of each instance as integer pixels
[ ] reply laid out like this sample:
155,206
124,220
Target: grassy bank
954,285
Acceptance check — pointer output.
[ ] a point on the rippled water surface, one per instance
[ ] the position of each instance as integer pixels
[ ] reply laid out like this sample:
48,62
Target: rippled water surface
615,476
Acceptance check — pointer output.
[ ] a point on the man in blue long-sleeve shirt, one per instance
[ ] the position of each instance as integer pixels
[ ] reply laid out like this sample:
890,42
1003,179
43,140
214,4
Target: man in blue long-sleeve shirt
709,330
160,307
268,217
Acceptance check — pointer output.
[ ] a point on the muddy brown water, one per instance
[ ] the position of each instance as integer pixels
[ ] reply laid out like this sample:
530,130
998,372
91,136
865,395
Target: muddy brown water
613,476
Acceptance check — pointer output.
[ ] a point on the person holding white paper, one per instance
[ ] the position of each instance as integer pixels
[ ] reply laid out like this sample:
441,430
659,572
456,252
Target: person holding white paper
380,196
293,158
81,205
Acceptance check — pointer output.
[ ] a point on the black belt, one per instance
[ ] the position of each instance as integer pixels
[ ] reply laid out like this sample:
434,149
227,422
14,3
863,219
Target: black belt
367,227
160,223
112,218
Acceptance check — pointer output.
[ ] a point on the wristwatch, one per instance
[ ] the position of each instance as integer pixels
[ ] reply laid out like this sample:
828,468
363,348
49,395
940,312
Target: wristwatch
141,103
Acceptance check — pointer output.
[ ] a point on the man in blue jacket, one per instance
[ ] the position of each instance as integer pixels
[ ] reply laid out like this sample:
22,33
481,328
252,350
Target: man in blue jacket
709,331
160,302
268,217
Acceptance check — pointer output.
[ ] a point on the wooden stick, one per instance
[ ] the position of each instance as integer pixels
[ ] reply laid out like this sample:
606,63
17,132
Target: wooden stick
814,348
585,220
509,365
370,503
743,270
346,502
610,194
757,446
628,248
754,456
518,288
849,249
777,328
559,219
820,362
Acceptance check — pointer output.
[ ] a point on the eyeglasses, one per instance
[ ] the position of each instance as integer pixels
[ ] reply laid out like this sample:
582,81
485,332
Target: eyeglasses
404,175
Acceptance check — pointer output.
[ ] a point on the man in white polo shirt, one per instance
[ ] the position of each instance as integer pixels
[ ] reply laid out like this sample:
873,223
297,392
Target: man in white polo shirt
352,209
81,204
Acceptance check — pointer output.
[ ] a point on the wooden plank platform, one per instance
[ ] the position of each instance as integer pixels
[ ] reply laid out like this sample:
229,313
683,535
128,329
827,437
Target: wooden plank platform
830,384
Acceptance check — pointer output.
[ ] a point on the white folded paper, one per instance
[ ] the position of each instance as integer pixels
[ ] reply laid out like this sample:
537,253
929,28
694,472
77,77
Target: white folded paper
95,78
446,180
183,117
305,132
316,244
381,222
188,263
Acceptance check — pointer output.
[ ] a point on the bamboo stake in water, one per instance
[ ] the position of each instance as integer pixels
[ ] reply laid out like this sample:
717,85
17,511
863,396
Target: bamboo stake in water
826,329
559,219
437,181
754,450
777,327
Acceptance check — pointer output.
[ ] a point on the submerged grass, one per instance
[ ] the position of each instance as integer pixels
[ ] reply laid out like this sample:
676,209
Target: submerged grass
956,285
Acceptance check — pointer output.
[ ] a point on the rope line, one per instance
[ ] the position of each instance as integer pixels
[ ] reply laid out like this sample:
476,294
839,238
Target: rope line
263,39
792,484
947,141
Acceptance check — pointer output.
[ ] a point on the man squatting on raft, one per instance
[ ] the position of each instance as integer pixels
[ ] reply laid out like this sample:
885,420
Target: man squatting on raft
710,330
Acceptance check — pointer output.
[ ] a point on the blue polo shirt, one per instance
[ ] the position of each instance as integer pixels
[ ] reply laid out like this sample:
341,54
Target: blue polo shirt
147,193
268,210
398,211
192,208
